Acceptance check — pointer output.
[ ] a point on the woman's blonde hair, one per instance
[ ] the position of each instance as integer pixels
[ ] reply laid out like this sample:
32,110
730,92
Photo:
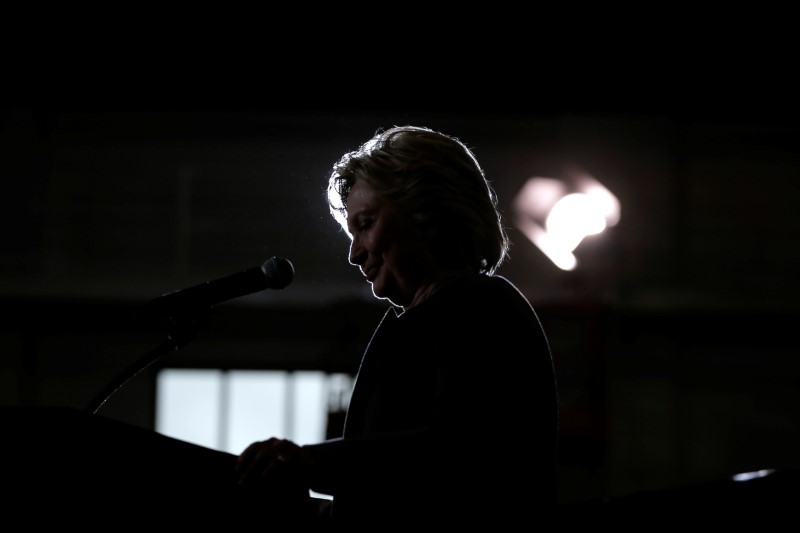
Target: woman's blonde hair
435,179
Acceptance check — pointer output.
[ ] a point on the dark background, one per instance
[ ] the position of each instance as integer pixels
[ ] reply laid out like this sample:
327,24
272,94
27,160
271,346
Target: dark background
674,341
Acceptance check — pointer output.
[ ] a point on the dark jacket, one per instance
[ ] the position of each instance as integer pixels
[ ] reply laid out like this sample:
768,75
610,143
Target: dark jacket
453,418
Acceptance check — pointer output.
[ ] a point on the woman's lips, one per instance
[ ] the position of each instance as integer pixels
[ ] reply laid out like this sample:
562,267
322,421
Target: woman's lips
371,273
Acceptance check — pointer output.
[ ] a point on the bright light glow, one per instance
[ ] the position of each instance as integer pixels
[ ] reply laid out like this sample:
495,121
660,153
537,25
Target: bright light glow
560,256
539,195
557,220
605,202
574,217
747,476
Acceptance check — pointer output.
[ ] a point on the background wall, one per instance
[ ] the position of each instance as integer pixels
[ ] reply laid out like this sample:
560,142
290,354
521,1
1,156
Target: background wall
674,340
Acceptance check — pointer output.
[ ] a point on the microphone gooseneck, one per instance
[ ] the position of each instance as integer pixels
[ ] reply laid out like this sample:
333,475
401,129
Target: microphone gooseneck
182,310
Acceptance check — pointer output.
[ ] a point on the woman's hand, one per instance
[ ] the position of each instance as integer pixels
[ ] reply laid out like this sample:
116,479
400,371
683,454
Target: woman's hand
275,465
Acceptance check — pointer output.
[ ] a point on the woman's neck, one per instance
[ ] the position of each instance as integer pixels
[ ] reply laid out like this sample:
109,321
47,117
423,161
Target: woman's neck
445,278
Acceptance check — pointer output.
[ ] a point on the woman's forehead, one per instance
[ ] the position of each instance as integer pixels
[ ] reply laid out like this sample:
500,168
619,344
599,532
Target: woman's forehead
361,197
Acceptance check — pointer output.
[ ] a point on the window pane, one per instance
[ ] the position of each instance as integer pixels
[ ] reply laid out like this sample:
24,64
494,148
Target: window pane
188,405
229,410
310,407
257,408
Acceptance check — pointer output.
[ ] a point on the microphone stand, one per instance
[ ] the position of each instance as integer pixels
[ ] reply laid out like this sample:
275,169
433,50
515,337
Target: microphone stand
181,330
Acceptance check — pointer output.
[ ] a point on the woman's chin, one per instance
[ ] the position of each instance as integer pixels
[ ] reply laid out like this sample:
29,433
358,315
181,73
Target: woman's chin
381,294
376,290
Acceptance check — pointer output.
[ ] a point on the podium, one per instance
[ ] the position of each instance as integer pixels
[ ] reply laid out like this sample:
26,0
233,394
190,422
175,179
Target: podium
63,466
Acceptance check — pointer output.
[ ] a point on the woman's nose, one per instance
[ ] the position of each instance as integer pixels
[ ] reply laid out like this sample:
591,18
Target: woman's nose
356,256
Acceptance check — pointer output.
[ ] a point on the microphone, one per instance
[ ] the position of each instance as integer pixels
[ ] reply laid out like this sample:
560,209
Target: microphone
275,273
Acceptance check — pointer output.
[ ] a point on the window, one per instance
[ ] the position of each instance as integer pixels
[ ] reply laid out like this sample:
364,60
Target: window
228,410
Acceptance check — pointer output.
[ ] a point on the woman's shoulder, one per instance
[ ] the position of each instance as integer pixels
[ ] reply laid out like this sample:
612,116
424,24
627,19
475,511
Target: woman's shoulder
495,285
483,291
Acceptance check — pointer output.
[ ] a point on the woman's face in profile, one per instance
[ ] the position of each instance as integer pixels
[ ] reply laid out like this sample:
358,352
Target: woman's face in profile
389,251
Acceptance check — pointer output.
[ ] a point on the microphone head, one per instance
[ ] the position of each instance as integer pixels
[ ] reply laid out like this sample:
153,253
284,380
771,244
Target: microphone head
279,272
